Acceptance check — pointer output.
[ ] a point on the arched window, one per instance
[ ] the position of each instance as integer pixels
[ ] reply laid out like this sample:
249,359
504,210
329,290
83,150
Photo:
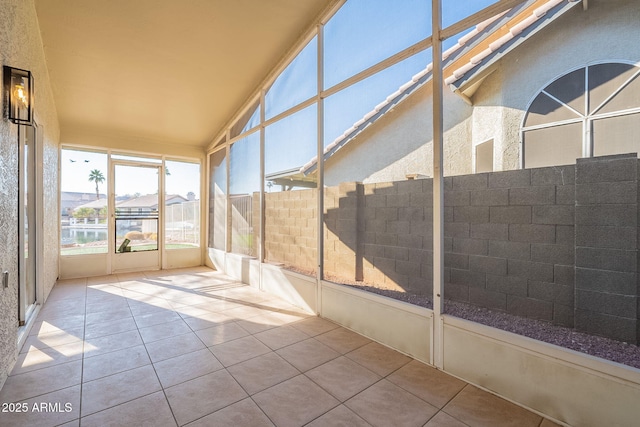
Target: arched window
591,111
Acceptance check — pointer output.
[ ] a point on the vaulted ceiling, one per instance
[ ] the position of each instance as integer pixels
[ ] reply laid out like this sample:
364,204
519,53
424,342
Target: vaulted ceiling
168,70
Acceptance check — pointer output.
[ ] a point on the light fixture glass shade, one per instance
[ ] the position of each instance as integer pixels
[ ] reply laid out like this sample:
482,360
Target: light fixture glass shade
18,90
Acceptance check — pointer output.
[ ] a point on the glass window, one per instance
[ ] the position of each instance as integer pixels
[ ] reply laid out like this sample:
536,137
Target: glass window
365,32
553,146
297,83
218,199
616,135
248,121
182,205
244,189
83,202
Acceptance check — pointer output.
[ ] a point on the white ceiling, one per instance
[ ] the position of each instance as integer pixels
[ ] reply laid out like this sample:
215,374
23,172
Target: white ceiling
170,70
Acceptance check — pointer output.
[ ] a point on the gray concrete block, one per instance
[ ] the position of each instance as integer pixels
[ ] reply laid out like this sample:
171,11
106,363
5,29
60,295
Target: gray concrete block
398,200
468,278
565,235
399,227
371,251
607,193
530,307
552,254
375,225
375,200
618,328
624,215
565,195
456,229
510,214
532,233
490,265
555,175
419,199
564,275
488,299
603,169
615,282
613,304
410,186
411,213
419,286
530,270
422,228
489,231
563,315
554,214
607,237
385,188
456,198
460,261
396,252
539,195
506,179
470,182
388,214
387,239
607,259
408,268
510,285
553,292
410,241
456,292
511,250
472,214
469,246
422,256
490,197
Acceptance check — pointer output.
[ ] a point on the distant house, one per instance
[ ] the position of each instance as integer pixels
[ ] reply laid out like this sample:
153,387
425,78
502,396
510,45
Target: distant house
542,84
69,200
147,203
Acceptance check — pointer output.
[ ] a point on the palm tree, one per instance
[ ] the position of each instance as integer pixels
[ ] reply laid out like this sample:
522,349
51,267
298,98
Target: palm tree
97,177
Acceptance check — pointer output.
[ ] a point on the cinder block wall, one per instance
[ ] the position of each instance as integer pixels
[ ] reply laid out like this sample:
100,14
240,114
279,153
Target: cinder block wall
558,244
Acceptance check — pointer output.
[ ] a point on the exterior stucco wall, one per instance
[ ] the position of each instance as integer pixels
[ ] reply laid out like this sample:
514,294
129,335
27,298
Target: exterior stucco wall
21,47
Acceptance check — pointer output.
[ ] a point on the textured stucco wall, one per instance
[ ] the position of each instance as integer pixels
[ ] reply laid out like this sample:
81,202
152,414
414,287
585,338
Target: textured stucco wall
21,47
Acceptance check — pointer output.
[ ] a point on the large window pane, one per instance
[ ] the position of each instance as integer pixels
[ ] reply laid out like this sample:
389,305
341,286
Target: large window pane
365,32
616,135
83,202
557,145
244,187
217,199
297,83
182,206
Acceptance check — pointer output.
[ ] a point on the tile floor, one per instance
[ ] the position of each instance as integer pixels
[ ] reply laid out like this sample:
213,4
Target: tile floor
194,347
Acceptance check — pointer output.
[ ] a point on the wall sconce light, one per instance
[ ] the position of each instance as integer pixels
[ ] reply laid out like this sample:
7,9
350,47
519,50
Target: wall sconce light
18,95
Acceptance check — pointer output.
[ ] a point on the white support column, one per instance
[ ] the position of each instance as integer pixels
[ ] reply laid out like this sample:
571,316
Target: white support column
438,189
320,171
261,249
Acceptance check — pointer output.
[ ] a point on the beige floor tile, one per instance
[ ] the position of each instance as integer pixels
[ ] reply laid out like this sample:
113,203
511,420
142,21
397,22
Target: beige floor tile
231,352
245,312
385,404
378,358
281,336
241,414
108,316
294,402
341,416
427,383
220,334
109,343
50,409
52,339
342,340
206,320
442,419
262,372
151,410
156,318
259,324
48,356
164,330
186,367
35,383
343,378
98,330
174,346
307,354
314,326
204,395
110,391
62,308
55,325
103,304
114,362
479,408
